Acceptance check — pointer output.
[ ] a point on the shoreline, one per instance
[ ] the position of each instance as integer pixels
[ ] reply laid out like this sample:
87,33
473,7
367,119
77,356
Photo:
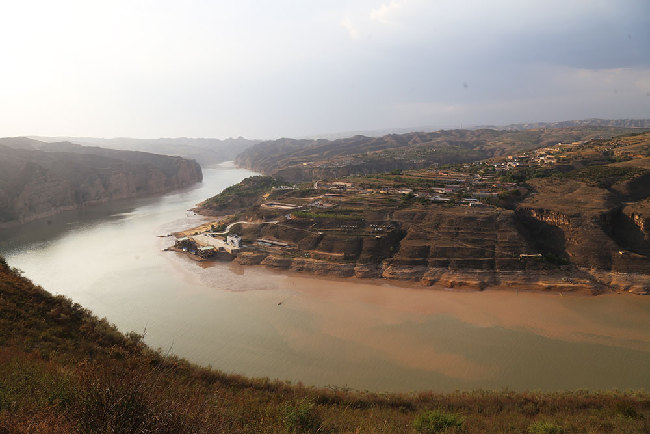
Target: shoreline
89,204
575,282
570,281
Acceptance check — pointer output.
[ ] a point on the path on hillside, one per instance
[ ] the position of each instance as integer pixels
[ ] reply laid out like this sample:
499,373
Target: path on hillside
272,222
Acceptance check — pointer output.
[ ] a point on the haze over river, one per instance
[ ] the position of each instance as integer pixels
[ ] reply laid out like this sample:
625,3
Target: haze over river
361,334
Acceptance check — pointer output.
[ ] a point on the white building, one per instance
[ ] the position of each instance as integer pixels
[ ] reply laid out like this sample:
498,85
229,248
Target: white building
234,240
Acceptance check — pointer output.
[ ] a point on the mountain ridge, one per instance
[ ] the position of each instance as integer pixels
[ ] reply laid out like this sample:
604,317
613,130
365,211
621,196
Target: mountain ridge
38,180
206,151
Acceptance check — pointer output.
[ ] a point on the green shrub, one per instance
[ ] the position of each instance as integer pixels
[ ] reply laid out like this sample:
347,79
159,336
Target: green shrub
545,428
302,418
435,421
248,190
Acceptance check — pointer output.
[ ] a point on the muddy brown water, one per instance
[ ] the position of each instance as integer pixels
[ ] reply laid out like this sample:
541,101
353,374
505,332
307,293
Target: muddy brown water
366,335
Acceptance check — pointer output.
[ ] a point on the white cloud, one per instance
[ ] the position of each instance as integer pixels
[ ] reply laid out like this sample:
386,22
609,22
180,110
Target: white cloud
385,13
217,68
643,83
350,28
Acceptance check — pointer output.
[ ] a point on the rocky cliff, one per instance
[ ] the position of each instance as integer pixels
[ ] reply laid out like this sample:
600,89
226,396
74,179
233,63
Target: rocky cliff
38,180
587,226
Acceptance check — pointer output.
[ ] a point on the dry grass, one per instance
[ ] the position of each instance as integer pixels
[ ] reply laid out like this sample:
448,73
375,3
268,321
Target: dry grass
63,370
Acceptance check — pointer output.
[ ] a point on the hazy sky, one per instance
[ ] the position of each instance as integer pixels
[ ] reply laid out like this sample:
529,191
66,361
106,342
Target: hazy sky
265,69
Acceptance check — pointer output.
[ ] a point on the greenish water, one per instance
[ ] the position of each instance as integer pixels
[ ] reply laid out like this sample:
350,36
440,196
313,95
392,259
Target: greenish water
344,333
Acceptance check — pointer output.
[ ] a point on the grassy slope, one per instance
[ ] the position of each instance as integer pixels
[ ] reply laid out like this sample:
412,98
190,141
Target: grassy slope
442,147
63,370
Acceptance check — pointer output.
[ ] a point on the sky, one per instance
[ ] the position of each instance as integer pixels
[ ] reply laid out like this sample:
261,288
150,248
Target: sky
294,68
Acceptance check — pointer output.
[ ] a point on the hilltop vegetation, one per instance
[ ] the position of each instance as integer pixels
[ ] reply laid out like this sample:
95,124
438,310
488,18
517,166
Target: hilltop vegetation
301,160
63,370
240,195
38,179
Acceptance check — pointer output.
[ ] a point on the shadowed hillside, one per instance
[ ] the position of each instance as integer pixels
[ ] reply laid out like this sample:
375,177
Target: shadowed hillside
38,179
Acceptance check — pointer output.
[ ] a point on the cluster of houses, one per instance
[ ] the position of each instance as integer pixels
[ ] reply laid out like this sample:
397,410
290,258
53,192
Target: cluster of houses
548,156
207,246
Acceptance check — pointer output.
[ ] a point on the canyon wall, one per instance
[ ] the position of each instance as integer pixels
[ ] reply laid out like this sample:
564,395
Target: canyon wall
36,183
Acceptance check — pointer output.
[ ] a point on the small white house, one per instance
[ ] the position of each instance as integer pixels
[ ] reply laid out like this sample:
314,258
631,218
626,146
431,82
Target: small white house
234,240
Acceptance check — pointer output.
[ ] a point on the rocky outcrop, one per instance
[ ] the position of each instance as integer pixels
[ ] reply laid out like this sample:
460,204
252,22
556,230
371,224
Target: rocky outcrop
568,281
573,223
462,248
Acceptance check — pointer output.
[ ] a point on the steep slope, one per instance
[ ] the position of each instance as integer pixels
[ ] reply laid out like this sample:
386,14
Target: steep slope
38,180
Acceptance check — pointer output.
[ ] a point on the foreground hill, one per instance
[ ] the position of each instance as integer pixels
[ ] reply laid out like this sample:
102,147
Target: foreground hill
303,160
206,152
62,370
569,217
39,179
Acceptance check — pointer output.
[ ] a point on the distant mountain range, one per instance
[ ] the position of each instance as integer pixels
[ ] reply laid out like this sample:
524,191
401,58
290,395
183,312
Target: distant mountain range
592,122
304,160
205,151
39,179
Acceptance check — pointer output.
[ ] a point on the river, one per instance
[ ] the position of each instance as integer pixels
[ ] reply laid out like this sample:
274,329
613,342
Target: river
366,335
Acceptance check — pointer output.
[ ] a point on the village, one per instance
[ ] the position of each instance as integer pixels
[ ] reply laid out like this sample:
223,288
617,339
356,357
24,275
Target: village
290,220
596,151
337,206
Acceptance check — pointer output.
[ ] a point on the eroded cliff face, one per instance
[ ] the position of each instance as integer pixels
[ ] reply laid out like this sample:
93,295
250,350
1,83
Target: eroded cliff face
531,279
584,226
35,184
629,226
559,239
452,247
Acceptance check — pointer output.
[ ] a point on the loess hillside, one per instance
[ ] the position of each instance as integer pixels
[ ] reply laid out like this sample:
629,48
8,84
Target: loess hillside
303,160
62,370
565,217
38,179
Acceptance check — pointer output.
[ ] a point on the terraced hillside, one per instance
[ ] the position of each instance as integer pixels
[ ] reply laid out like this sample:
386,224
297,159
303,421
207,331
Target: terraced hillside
576,221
